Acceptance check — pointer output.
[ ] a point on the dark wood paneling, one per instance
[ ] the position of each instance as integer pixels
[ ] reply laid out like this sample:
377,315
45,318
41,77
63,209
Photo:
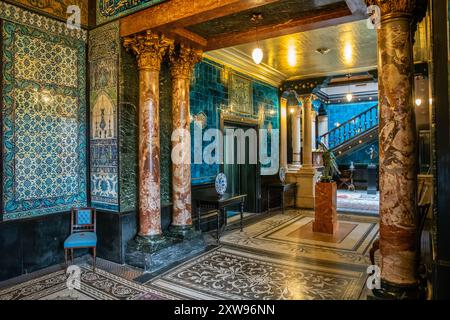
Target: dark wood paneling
442,145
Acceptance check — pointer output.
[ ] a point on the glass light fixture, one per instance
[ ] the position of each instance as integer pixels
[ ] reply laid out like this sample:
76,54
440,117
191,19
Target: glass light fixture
292,56
349,97
292,110
418,102
257,55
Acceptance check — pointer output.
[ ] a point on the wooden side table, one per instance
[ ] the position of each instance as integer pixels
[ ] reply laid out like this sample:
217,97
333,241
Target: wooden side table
206,200
283,188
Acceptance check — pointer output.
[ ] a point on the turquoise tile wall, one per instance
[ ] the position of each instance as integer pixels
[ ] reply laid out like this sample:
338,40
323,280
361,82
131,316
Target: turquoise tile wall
210,94
43,115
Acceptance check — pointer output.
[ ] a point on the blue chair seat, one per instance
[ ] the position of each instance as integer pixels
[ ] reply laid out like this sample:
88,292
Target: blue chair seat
81,239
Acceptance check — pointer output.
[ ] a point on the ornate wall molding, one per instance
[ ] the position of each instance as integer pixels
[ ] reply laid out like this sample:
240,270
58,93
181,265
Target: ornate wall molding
19,15
55,8
149,48
243,63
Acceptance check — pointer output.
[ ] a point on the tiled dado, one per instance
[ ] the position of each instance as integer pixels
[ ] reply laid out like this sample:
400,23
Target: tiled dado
291,236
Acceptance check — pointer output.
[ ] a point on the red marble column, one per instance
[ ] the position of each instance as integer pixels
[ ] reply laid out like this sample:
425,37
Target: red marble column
182,61
149,48
397,138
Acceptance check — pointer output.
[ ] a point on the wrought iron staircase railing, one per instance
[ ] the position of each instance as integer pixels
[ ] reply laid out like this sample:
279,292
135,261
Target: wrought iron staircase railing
352,129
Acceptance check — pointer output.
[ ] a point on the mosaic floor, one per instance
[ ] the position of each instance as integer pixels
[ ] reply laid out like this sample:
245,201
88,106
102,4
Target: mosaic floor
277,257
100,285
358,202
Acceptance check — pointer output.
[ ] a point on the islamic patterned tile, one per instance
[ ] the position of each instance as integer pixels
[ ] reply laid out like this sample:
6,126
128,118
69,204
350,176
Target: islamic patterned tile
37,59
43,122
18,15
103,58
41,137
112,9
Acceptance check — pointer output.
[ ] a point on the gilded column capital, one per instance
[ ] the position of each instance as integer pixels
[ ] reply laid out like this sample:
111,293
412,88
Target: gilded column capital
182,60
307,99
391,8
149,48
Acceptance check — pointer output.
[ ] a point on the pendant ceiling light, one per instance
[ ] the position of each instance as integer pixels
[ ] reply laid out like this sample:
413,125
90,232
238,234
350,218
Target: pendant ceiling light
257,53
349,95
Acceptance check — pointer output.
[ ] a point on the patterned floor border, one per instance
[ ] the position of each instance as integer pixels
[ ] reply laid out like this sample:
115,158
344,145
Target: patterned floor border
100,285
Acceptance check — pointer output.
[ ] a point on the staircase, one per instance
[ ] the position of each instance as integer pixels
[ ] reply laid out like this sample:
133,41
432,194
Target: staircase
354,133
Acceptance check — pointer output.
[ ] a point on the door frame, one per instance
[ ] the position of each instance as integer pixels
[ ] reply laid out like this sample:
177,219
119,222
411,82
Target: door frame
254,124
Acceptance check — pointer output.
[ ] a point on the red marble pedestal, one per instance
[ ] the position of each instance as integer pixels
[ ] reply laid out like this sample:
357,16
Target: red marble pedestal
325,208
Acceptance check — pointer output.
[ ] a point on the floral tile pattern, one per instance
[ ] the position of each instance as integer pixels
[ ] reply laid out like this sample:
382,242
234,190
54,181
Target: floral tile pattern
44,129
235,274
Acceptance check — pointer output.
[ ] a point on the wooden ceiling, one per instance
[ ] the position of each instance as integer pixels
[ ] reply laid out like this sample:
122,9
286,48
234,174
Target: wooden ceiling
352,47
216,24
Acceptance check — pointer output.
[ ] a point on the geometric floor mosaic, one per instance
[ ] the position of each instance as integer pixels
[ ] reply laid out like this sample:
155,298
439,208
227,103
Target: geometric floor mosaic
100,285
290,235
227,273
274,258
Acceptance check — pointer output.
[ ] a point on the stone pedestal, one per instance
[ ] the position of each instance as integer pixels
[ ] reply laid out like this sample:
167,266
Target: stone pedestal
325,210
306,179
157,256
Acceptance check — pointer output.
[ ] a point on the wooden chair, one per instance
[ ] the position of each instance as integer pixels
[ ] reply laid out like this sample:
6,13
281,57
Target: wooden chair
82,232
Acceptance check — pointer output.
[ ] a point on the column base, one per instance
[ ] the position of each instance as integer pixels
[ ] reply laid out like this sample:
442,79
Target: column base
390,291
185,232
306,179
150,244
156,253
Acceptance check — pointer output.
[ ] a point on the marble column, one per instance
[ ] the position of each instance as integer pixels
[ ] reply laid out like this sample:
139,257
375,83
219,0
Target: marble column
307,130
398,146
149,48
182,61
283,132
314,130
323,126
307,176
296,137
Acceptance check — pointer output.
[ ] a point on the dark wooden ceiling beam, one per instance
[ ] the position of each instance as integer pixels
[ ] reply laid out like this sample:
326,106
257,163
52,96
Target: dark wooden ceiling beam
182,13
315,21
183,35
